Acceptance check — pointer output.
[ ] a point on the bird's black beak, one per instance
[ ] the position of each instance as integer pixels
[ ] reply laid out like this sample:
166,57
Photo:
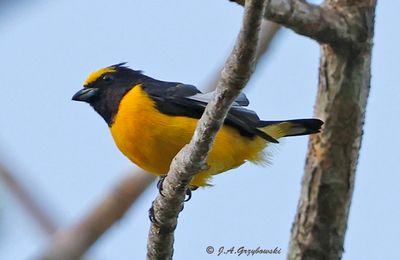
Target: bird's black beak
85,95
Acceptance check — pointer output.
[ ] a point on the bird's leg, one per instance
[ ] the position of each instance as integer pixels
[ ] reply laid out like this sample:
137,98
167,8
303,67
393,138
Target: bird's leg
160,185
189,192
193,188
151,214
188,195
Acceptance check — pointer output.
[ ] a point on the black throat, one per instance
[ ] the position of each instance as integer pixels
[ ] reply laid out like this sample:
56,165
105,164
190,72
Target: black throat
107,103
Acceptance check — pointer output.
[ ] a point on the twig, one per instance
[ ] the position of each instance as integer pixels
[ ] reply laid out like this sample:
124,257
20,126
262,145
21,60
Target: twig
319,22
72,243
267,33
192,158
47,224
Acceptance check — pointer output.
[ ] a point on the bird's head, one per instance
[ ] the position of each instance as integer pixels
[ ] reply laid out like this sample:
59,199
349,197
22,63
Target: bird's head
104,88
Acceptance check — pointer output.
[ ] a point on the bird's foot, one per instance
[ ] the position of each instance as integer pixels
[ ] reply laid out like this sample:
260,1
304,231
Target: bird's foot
160,185
151,214
189,192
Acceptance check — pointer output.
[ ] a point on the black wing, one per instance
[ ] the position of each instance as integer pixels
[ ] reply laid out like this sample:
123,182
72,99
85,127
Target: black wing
178,99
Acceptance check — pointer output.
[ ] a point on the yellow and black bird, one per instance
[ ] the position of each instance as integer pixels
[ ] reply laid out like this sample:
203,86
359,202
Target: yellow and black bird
151,120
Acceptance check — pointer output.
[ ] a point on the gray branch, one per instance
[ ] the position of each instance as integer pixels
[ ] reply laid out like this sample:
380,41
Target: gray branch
192,158
73,242
268,31
329,177
45,220
319,22
345,29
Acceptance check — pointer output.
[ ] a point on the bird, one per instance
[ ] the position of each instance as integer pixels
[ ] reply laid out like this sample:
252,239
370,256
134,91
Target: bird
150,121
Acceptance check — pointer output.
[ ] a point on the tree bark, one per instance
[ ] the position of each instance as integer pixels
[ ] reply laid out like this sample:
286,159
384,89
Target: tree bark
328,182
324,23
192,158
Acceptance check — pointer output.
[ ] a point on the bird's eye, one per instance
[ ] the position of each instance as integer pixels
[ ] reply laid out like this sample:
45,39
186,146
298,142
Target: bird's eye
108,77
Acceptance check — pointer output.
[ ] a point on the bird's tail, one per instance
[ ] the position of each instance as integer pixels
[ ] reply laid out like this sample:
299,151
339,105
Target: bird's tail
278,129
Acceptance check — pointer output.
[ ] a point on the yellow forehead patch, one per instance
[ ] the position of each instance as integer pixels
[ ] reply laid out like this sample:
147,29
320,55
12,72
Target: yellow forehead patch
97,74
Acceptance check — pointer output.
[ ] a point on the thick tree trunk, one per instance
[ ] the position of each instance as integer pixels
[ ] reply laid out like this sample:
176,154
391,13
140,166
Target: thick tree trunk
328,182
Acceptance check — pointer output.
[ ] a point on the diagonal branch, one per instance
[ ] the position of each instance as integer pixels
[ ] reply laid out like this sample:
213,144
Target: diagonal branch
45,221
267,34
319,22
74,242
268,31
192,158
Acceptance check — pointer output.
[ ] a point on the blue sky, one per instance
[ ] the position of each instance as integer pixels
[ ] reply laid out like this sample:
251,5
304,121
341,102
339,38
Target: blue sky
62,150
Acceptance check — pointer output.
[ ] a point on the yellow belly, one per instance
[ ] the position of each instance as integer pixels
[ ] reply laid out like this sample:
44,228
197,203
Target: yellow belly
151,139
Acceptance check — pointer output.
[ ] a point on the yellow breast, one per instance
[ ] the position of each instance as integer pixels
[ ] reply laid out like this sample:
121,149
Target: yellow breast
151,139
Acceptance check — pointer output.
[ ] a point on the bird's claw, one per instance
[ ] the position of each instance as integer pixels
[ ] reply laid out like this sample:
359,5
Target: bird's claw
188,194
160,188
151,214
160,185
